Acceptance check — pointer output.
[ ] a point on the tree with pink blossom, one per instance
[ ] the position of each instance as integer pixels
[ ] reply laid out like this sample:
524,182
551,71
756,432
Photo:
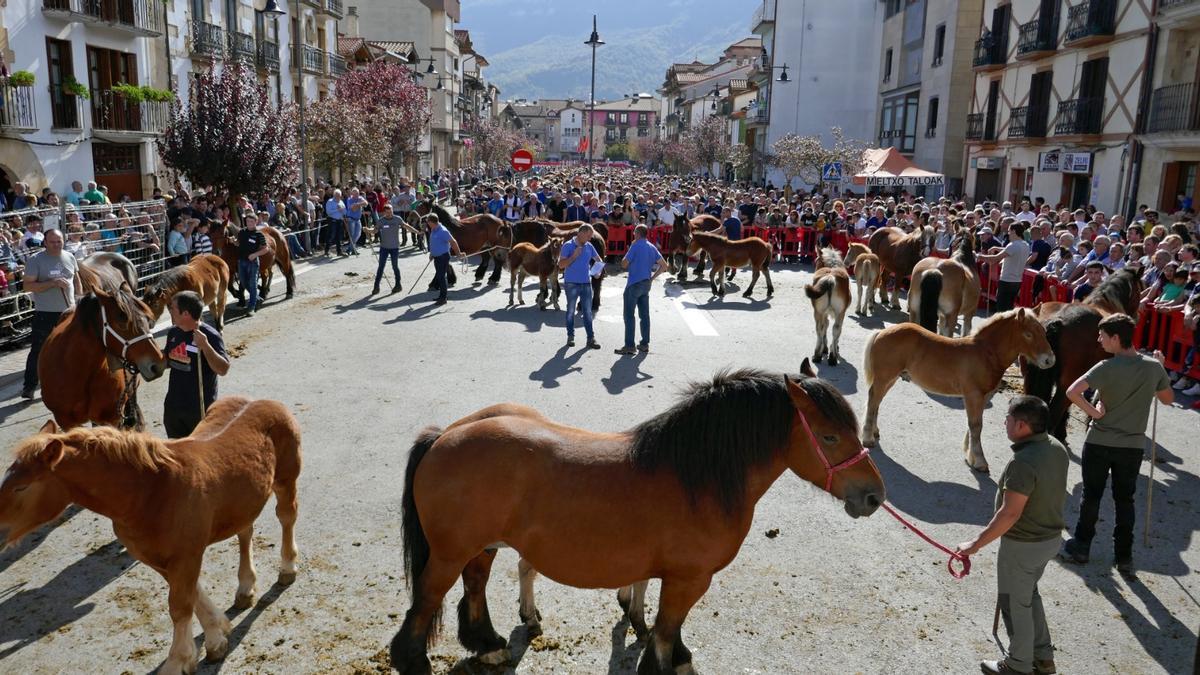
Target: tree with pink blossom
392,99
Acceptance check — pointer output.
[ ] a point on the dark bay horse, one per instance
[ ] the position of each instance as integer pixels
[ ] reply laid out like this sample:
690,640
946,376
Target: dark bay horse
482,234
898,253
673,498
225,244
206,274
681,240
538,231
1071,329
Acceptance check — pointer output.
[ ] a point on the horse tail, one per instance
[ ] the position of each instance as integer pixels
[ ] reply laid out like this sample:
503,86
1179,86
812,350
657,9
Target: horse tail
931,292
416,545
1039,382
823,286
867,372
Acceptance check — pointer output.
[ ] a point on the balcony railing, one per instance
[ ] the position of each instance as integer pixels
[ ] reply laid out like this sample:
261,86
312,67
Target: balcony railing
1028,122
333,8
1168,4
268,55
337,65
1173,108
761,113
975,127
315,4
1080,116
1091,19
208,40
312,59
990,50
1039,35
138,16
241,47
112,112
16,113
66,110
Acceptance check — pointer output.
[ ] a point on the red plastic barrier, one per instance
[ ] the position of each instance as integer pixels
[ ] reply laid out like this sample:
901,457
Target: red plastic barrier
660,236
808,243
840,240
618,239
1166,332
1025,296
989,282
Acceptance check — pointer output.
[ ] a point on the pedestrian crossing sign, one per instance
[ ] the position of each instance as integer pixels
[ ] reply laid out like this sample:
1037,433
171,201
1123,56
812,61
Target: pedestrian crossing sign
832,172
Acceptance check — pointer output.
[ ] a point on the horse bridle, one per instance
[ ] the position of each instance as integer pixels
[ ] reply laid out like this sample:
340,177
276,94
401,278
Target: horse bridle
124,342
831,470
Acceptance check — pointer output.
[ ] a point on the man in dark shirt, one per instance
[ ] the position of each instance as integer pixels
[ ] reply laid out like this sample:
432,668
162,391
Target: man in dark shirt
558,207
733,226
1041,249
192,386
252,244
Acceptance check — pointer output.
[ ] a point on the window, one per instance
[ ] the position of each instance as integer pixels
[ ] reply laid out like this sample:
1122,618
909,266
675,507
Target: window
892,8
643,132
932,122
610,118
610,135
63,108
939,45
887,65
898,122
624,118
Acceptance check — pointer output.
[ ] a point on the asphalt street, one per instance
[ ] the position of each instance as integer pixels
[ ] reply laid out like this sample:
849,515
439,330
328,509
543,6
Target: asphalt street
811,591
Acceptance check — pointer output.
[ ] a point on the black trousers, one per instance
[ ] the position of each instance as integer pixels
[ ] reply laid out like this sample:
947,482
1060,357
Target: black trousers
441,263
1098,462
1006,295
42,324
179,423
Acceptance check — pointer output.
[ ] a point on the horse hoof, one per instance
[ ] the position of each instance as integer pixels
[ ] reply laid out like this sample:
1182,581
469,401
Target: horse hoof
495,658
217,651
244,601
287,578
833,360
533,628
869,442
640,629
984,469
746,294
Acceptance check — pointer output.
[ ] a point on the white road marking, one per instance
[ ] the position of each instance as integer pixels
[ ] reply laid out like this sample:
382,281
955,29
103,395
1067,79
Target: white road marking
695,318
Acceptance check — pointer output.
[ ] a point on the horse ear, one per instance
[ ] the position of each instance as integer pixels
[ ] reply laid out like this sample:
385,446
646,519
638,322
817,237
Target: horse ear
806,368
1021,313
49,428
52,454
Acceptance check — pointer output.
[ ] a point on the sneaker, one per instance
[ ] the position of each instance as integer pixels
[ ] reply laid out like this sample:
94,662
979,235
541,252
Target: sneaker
592,344
1174,375
570,342
1193,390
625,351
440,301
998,668
397,288
1184,383
1072,552
27,394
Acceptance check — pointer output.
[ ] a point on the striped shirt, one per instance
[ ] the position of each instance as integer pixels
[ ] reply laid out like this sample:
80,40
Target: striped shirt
201,243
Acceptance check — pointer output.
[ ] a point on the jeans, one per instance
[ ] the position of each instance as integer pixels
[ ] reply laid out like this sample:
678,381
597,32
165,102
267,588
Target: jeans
1019,566
354,227
248,278
42,324
1124,463
384,254
637,296
294,245
579,293
1006,295
335,234
441,263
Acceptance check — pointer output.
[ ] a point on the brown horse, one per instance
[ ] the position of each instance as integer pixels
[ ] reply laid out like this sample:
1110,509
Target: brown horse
169,500
278,255
90,362
482,234
949,288
673,498
969,368
724,253
527,259
538,231
898,254
206,274
1072,330
866,275
829,293
681,240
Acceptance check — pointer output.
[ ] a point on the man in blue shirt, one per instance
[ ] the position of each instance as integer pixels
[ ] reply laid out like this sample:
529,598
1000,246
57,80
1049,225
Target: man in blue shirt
576,262
354,213
495,203
644,263
733,224
441,243
335,214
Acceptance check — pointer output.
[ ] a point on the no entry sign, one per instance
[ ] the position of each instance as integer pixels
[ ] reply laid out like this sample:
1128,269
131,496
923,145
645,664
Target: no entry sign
521,160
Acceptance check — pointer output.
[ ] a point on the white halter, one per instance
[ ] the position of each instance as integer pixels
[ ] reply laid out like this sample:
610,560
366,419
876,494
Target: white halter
125,343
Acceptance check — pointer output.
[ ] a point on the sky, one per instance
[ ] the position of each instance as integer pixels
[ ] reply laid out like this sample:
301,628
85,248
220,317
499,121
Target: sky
536,50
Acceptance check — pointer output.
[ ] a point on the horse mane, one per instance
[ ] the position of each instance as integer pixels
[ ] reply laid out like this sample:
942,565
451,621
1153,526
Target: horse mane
710,235
720,429
830,257
998,318
966,250
138,449
443,215
167,282
1115,292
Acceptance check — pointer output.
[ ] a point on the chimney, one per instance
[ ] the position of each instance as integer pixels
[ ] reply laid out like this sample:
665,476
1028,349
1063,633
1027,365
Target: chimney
352,22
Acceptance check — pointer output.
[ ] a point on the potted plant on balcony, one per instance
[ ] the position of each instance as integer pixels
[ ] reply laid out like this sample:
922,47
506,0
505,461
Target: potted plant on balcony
72,87
21,78
130,92
157,95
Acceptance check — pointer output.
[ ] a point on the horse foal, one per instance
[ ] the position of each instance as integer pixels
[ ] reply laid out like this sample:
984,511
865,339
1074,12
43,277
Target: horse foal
830,296
526,259
866,276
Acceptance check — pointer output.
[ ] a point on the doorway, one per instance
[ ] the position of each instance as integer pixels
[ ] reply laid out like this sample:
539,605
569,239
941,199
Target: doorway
1076,189
987,185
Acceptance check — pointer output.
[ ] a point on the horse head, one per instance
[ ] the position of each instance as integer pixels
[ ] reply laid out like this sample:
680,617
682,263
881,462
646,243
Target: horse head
1032,339
30,493
125,329
824,447
928,238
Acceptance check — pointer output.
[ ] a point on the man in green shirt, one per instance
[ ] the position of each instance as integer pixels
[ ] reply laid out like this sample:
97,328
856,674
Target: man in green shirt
1029,523
94,195
1128,383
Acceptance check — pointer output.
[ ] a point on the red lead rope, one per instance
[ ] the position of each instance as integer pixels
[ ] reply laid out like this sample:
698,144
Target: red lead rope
963,560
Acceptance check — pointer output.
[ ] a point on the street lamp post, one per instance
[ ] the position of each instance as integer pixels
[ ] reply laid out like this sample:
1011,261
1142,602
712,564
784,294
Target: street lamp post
593,42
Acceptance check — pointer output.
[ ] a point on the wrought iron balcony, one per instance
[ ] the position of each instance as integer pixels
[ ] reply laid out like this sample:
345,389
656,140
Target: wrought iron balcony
974,127
16,113
141,17
1173,108
113,112
337,65
1091,22
208,40
268,55
1028,122
241,47
312,60
333,8
1080,116
990,52
1038,37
